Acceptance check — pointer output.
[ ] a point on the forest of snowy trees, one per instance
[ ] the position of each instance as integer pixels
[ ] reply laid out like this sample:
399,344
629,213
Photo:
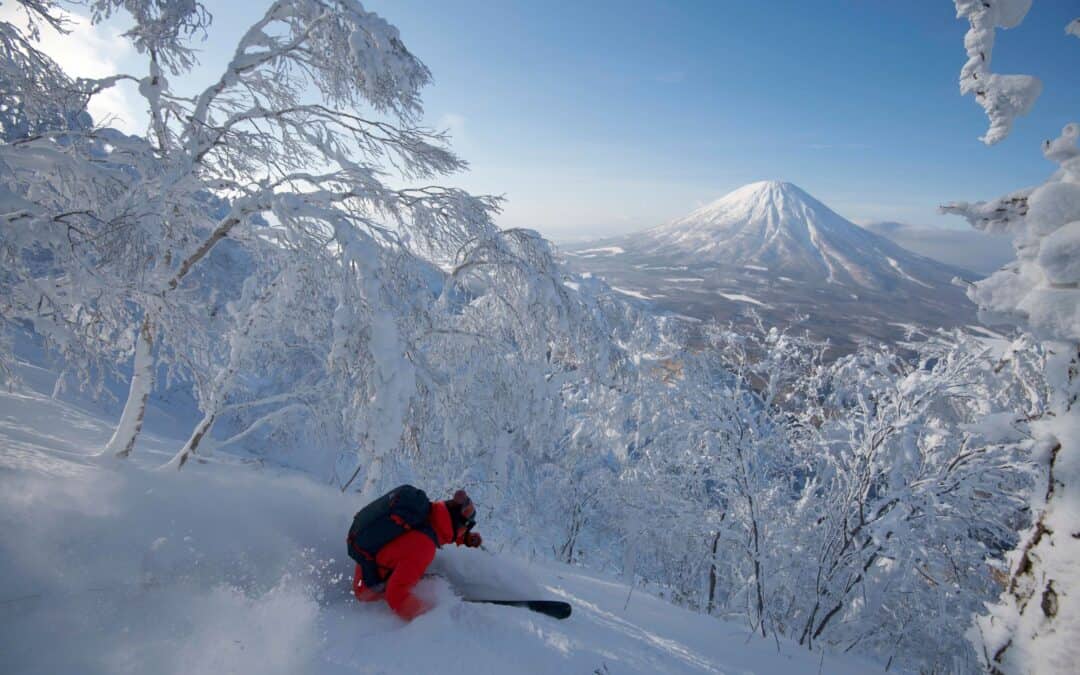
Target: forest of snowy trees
278,244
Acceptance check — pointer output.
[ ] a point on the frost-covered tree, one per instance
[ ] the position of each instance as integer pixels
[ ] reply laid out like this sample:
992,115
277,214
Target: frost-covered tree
68,221
1003,97
837,503
35,93
503,359
748,446
1033,626
907,498
264,366
318,105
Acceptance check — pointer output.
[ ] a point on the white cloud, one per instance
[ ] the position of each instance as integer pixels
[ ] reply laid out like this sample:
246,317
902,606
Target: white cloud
968,249
91,51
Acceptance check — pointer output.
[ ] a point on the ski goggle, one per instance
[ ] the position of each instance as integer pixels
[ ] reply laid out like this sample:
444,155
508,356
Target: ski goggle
468,515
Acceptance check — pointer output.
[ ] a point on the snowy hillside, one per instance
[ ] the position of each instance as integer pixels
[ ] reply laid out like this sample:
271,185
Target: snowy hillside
771,247
231,568
223,334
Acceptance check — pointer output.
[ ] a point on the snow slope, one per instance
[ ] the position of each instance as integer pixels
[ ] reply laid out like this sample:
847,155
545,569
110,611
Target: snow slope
229,567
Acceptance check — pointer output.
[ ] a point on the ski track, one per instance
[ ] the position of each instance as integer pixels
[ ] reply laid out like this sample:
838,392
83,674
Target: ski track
635,632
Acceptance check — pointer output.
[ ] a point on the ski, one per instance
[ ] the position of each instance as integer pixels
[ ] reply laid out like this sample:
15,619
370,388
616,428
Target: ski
553,608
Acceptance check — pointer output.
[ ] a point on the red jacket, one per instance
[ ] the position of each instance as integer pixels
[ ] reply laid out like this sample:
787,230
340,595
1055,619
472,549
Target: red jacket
407,557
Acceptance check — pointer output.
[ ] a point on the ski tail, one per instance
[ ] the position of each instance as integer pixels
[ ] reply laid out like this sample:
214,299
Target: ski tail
553,608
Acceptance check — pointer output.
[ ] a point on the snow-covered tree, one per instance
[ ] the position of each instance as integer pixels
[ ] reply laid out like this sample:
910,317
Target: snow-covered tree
906,498
1032,627
1003,97
505,355
840,503
35,93
317,105
70,225
267,369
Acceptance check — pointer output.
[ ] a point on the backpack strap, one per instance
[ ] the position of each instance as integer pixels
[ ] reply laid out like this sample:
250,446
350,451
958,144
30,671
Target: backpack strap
426,528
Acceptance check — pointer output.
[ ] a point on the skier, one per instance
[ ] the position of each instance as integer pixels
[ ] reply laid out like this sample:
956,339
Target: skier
401,562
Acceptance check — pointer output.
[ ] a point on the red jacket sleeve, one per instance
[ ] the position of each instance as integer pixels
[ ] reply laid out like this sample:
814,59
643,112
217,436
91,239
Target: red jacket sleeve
405,576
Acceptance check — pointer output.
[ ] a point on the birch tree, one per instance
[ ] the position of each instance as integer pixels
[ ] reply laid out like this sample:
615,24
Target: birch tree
313,114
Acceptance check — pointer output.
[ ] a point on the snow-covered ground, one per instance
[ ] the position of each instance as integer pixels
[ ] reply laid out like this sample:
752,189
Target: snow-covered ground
740,297
632,293
232,567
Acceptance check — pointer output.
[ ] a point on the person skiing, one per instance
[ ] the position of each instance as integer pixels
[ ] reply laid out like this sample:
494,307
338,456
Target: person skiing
402,562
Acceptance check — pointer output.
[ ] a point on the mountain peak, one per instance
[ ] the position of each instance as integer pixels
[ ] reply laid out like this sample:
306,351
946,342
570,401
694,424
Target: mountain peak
769,204
774,248
778,226
765,191
761,185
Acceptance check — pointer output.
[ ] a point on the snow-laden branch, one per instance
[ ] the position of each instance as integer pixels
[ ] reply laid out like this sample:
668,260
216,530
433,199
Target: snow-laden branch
1003,97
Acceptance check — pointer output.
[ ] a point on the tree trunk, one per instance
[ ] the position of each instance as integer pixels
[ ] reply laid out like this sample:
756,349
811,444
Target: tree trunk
192,445
371,480
712,575
142,383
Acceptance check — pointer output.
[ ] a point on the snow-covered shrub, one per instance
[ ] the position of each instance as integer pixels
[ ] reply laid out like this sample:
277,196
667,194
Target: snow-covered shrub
909,499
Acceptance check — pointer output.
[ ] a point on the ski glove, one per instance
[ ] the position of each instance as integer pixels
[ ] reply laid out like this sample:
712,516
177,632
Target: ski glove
472,539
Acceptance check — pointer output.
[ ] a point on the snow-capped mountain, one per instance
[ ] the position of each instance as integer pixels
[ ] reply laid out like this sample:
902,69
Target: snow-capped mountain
780,227
773,247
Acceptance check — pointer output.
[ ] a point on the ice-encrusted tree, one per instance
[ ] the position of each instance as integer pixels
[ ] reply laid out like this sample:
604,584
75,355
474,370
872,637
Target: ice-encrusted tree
750,471
263,369
906,498
310,119
1033,626
35,93
1003,97
497,358
68,220
44,192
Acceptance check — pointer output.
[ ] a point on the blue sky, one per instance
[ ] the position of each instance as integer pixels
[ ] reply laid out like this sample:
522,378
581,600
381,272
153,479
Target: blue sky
599,117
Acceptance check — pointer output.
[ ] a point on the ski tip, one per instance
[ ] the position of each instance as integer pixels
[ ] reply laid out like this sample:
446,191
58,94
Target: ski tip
556,609
560,610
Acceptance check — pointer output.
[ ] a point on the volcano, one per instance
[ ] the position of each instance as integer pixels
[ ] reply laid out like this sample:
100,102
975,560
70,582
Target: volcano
772,248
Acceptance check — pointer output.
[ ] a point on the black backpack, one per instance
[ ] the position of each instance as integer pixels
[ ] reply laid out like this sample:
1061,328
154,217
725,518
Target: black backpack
402,509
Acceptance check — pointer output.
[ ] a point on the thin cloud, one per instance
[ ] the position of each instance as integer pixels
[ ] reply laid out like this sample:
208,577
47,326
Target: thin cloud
968,249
